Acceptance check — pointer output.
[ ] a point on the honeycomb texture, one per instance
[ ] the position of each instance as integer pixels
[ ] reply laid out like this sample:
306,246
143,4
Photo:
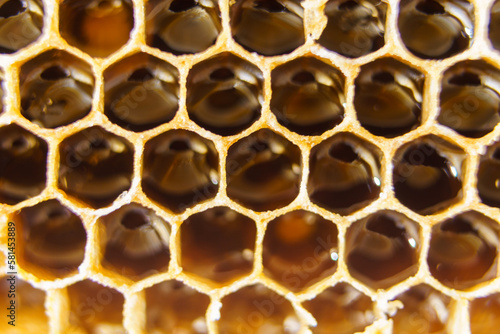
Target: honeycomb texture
251,166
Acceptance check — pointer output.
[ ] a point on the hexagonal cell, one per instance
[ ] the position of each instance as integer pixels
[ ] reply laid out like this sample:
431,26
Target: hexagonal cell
95,166
341,310
51,240
307,96
488,176
427,175
494,25
180,170
463,250
218,244
344,173
484,314
436,29
268,27
95,308
56,89
382,249
29,314
82,24
224,94
424,310
388,97
21,23
299,249
23,164
355,28
141,92
182,26
469,98
134,242
172,307
263,171
256,309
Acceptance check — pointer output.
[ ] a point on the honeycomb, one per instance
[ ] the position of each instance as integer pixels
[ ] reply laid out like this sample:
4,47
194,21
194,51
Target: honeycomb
251,166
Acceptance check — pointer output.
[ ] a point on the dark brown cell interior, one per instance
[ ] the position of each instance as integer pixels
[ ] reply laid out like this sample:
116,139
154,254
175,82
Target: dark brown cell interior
430,30
267,27
461,253
182,26
469,101
354,28
82,24
224,94
341,310
424,310
95,308
484,314
424,179
218,244
23,164
52,240
384,106
95,166
141,92
303,103
300,249
12,8
173,307
494,25
21,24
263,171
488,176
255,307
341,179
382,250
180,170
132,243
56,89
29,314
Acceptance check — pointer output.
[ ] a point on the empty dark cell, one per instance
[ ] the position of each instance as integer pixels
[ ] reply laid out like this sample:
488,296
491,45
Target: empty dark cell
341,310
429,31
180,170
237,306
82,24
134,248
224,94
56,89
23,164
172,306
354,28
109,307
141,92
300,249
425,180
469,100
218,244
307,96
341,179
385,106
462,253
182,26
424,310
265,178
267,27
382,249
53,240
96,166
